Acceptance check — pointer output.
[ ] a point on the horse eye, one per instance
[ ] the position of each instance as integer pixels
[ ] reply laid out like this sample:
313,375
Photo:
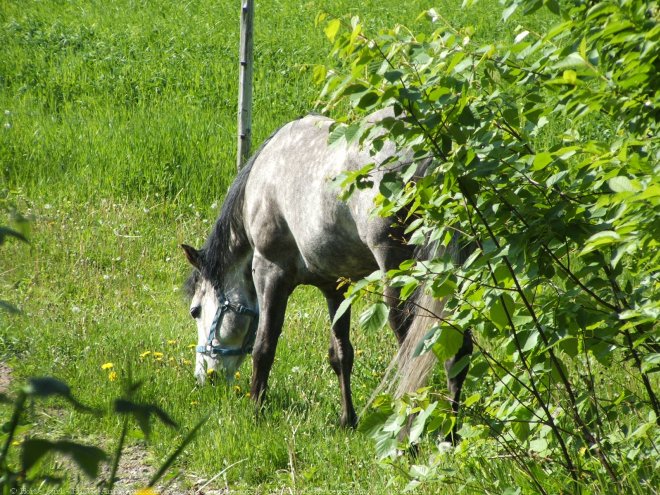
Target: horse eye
195,311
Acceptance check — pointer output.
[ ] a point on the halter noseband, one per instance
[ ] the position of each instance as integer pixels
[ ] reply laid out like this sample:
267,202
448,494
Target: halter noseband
218,350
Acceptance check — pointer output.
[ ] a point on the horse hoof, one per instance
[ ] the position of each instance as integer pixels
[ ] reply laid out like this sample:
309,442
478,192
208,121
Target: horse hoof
349,422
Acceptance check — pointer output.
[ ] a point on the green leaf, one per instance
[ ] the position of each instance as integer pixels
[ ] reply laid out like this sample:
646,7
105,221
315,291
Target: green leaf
553,6
570,76
572,60
374,318
368,100
336,134
420,421
622,184
508,12
448,343
473,399
498,311
374,421
600,239
539,445
651,363
541,160
343,307
332,28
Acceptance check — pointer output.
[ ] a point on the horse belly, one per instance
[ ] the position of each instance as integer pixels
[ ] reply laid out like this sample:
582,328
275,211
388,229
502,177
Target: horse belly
333,251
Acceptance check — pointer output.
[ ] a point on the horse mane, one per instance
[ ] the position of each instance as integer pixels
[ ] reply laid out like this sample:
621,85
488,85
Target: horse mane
217,250
229,230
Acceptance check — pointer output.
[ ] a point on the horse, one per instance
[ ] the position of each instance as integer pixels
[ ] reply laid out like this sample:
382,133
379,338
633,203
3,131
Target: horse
283,224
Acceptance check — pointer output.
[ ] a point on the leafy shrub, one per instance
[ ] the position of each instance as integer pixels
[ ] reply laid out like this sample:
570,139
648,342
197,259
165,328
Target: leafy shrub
544,154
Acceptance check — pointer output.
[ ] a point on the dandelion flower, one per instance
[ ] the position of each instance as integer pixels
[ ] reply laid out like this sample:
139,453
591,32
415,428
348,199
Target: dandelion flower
158,356
112,376
187,362
237,389
193,402
145,354
192,346
210,372
16,443
107,366
146,491
171,342
237,375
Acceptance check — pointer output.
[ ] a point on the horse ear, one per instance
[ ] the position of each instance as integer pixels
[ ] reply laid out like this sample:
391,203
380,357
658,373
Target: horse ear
194,258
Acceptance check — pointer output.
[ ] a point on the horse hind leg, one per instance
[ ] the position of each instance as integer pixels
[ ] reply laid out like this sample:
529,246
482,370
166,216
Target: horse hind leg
455,381
341,357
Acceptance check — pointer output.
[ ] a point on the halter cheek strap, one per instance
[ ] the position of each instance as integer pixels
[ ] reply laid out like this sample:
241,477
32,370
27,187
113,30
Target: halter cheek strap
219,350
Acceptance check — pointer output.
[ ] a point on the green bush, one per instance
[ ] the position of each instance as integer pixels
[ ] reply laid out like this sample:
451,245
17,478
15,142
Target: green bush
545,155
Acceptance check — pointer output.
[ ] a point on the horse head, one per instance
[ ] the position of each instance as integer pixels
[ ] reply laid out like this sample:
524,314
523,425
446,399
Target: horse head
226,318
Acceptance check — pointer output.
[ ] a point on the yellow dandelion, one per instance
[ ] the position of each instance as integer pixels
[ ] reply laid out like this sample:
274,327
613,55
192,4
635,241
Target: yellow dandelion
193,402
145,354
112,376
237,375
107,366
158,355
247,394
146,491
171,342
16,443
210,371
358,352
187,362
192,346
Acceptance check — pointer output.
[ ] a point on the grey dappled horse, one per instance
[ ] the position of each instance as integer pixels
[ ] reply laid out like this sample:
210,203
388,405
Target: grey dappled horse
283,225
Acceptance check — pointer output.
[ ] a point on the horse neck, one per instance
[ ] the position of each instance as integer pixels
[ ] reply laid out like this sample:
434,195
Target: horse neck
238,271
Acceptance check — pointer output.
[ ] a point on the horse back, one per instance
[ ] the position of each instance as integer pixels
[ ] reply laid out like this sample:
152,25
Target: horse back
293,214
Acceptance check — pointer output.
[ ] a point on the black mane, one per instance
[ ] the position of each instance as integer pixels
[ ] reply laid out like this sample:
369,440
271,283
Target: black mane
216,253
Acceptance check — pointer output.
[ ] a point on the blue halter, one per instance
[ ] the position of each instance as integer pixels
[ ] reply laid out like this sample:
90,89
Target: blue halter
218,350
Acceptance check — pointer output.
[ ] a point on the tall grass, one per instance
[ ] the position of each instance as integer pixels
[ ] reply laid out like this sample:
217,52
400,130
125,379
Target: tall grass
117,134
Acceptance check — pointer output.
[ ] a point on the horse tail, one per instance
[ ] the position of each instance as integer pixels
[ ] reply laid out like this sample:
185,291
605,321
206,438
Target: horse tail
413,367
410,370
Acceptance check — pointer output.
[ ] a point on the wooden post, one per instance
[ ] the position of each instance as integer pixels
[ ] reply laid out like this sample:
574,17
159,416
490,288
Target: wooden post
245,83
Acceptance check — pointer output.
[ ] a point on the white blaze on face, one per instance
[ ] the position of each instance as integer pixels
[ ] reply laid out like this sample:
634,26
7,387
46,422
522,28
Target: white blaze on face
231,333
203,307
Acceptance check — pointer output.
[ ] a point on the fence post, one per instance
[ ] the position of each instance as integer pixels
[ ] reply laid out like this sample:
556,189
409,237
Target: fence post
245,83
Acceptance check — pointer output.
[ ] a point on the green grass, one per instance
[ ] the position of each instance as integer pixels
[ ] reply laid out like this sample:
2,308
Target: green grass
117,135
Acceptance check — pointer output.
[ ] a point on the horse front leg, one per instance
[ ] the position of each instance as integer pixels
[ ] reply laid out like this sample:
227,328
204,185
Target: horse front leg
273,295
341,357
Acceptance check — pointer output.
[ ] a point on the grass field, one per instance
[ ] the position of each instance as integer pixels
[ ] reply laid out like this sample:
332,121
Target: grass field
117,137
